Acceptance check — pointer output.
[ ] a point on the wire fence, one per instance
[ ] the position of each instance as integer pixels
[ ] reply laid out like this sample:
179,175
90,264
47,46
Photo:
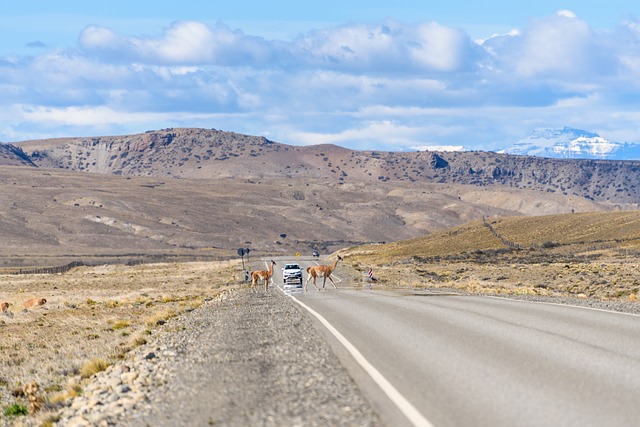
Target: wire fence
50,270
131,261
507,243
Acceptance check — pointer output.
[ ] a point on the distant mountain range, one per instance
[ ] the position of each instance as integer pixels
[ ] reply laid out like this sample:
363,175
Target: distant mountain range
189,192
213,154
570,143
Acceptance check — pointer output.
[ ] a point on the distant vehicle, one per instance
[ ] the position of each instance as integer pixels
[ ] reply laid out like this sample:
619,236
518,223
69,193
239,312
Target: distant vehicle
316,253
292,274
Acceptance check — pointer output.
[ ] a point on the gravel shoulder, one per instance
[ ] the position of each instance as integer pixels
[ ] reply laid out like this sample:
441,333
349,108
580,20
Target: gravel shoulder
250,359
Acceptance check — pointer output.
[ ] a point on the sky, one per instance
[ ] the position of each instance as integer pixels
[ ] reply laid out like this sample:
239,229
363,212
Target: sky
365,74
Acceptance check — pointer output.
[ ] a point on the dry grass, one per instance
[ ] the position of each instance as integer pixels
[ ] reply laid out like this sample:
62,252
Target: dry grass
92,367
590,255
93,317
591,227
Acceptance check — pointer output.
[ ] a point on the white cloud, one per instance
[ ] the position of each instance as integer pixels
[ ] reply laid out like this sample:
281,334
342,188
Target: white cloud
188,42
566,14
387,133
426,47
94,37
449,148
391,85
356,46
513,33
393,111
105,116
185,42
84,116
560,45
440,48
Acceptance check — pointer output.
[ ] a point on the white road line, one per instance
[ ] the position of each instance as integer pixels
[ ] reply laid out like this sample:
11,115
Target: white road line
409,411
565,305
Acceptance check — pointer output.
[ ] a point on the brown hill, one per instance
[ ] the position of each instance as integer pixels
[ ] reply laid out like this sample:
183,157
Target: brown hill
10,155
205,153
245,191
592,254
568,233
56,215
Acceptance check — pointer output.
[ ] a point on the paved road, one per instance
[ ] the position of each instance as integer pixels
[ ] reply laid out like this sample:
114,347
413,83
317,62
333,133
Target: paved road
480,361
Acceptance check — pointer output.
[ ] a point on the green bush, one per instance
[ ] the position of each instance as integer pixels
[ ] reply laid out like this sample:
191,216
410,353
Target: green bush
15,410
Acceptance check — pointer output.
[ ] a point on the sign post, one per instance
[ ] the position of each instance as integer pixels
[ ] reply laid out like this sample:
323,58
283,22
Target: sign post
241,253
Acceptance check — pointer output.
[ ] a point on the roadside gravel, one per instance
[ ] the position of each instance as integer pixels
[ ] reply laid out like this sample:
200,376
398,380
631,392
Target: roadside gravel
248,359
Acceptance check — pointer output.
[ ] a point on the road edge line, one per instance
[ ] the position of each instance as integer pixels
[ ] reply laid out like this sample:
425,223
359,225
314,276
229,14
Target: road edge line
408,410
604,310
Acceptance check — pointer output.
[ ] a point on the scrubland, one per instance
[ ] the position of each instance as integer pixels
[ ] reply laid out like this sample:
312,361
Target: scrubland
590,255
93,316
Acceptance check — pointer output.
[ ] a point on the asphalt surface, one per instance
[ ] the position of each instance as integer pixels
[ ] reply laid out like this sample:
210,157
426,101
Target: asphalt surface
470,361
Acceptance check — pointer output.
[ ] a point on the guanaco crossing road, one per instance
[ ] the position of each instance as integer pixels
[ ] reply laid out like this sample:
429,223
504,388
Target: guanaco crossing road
481,361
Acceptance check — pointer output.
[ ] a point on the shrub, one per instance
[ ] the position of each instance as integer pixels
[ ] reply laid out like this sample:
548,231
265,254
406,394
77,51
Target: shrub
160,318
74,389
165,299
138,341
92,367
50,421
121,324
15,410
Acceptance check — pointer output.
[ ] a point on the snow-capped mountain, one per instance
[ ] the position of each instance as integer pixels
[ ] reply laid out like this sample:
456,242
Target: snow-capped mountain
572,143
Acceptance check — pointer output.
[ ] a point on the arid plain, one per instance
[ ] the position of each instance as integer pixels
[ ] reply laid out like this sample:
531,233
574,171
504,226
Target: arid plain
92,317
159,243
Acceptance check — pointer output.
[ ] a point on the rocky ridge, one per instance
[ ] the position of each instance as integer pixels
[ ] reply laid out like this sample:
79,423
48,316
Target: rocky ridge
10,155
210,153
